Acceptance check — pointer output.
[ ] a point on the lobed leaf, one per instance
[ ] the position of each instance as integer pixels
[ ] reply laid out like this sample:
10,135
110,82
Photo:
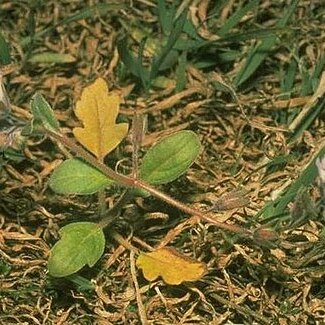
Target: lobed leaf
172,266
81,244
75,176
97,109
170,157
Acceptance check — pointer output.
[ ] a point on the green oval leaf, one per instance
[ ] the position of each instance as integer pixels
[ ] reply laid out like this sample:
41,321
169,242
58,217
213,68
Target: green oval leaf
50,57
75,176
170,157
43,113
81,243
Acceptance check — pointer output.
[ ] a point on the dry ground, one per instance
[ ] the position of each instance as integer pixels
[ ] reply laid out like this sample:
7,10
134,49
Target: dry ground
242,126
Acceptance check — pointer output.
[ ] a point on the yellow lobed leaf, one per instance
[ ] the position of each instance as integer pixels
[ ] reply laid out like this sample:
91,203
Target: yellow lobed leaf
172,266
97,109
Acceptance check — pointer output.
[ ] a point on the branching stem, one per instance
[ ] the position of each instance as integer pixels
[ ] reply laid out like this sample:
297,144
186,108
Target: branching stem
136,183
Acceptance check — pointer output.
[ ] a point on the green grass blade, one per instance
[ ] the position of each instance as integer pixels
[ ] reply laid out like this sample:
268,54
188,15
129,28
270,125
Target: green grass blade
173,37
4,51
128,58
288,79
235,18
306,87
190,45
308,119
319,68
133,64
181,72
306,178
309,112
143,72
191,31
165,17
88,12
258,53
310,81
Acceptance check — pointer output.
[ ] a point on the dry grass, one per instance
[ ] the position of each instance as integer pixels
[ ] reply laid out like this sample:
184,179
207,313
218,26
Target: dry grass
242,127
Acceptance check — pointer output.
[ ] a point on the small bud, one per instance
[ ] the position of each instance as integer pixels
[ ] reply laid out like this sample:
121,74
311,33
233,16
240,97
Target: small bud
264,235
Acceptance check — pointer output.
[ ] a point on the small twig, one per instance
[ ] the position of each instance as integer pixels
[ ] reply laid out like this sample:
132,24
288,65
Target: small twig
141,308
138,127
241,310
101,203
122,241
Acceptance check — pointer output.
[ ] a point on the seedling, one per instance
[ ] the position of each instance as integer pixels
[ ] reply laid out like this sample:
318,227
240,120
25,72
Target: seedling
11,135
83,243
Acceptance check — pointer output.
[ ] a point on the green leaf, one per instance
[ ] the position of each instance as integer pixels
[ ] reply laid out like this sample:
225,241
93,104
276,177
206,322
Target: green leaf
43,113
170,157
81,243
4,51
50,57
75,176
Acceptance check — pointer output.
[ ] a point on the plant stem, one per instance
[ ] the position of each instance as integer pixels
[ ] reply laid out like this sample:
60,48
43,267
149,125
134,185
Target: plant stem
92,160
181,206
113,213
135,183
